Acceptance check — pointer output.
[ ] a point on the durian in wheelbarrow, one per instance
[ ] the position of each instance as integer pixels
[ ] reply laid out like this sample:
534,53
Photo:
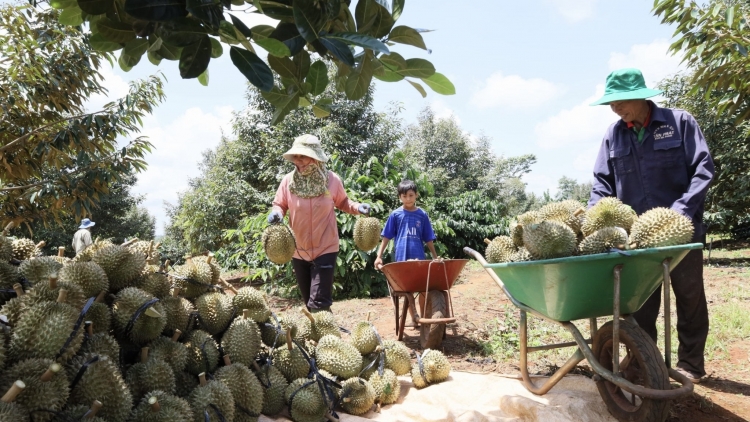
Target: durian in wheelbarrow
549,239
245,388
211,401
434,368
358,396
516,230
603,240
10,411
387,387
608,212
500,249
159,406
661,227
367,233
566,212
242,340
278,243
46,386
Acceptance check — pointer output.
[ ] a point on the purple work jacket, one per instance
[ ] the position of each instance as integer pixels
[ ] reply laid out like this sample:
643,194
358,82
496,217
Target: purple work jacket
671,168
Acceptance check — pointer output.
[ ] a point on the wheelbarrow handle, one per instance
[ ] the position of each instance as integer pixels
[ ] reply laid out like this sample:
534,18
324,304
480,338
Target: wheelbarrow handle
478,256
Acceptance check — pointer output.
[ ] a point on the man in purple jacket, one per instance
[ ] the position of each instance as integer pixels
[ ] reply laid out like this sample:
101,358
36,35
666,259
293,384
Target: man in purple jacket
657,157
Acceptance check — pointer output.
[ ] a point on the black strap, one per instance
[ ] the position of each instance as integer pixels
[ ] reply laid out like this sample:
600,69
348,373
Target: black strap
76,326
324,383
420,364
134,318
620,251
216,410
205,355
83,369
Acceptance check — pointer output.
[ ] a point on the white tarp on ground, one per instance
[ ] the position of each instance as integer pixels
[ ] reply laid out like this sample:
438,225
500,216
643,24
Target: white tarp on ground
469,397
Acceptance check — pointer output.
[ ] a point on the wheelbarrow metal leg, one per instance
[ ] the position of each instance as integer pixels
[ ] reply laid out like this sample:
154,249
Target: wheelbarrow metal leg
396,304
407,299
667,315
616,322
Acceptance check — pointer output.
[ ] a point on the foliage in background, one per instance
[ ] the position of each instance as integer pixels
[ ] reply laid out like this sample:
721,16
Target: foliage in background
308,33
728,199
58,159
714,38
569,188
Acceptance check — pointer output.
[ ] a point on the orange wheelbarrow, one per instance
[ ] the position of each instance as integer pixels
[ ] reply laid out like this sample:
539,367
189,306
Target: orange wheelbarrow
431,282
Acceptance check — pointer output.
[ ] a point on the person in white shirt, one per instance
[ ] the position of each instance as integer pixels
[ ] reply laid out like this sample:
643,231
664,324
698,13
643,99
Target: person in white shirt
82,238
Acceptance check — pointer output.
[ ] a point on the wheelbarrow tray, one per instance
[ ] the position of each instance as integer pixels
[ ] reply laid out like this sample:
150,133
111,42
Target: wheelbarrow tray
411,276
571,288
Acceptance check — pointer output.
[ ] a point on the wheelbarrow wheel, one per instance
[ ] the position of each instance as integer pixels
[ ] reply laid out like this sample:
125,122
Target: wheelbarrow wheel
431,335
641,363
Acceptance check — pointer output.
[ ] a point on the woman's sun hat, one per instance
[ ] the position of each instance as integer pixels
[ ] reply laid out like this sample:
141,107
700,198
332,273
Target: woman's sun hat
86,223
307,145
625,84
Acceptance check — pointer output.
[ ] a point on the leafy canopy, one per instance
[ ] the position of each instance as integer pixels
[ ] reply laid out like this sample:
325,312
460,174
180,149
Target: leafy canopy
309,33
56,158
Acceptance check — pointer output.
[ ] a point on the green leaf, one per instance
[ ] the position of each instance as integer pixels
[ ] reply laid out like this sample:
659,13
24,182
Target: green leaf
99,43
216,49
730,16
318,77
393,61
359,80
290,103
307,18
154,58
62,4
283,66
244,30
115,31
320,110
397,9
126,62
418,87
95,7
417,68
360,40
155,43
440,84
383,23
72,16
228,33
208,11
170,52
275,97
273,46
156,10
389,75
203,78
136,47
262,31
303,102
302,61
406,35
339,50
254,69
194,58
182,32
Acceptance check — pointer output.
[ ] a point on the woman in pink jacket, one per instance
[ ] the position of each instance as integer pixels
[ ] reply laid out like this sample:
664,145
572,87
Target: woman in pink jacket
309,193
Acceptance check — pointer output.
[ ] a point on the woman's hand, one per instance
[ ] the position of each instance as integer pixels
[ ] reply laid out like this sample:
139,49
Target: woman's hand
364,209
275,217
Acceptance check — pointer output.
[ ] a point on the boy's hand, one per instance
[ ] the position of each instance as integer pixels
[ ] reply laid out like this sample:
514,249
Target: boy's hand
378,263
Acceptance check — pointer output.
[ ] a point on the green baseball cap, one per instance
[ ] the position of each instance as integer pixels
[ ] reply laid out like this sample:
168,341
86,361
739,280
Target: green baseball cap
625,84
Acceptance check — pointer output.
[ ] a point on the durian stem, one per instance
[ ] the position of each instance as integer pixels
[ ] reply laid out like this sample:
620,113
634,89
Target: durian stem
13,392
210,257
150,248
61,251
227,361
369,314
89,327
175,292
347,400
130,242
202,379
41,244
50,372
289,339
62,296
18,288
579,211
176,335
153,313
153,401
156,246
487,241
8,227
331,418
377,407
167,263
308,315
144,354
228,286
53,281
246,313
95,407
100,296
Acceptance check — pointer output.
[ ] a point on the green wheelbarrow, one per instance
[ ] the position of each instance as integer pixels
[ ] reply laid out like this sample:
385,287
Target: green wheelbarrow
630,373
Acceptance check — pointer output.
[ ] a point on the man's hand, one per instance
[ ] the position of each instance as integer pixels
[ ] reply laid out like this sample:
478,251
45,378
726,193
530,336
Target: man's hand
275,217
364,209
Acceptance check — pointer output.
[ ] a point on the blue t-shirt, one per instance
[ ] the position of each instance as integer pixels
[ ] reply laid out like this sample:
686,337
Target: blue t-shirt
409,230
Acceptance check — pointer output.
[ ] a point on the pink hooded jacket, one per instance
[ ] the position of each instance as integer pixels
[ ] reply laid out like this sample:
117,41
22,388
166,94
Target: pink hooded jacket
313,220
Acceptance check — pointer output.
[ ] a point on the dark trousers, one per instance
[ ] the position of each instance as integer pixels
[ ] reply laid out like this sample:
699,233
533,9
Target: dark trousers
315,280
692,312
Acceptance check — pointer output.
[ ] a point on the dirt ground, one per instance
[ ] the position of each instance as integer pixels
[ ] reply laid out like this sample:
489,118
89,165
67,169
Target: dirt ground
478,304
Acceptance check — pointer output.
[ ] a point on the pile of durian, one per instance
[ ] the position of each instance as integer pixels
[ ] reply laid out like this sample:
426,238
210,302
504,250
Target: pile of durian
566,228
112,335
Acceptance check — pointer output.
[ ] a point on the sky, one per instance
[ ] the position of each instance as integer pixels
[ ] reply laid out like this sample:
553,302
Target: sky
525,73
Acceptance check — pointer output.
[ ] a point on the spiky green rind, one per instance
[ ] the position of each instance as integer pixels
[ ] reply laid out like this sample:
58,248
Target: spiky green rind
367,233
215,311
338,357
291,363
500,249
156,284
387,387
608,212
397,357
603,240
102,381
6,248
516,232
549,239
13,309
13,412
101,316
143,247
254,301
242,341
436,368
52,394
43,330
178,311
562,212
172,352
214,268
246,390
274,384
364,338
268,330
42,292
2,349
214,393
39,269
101,344
361,396
661,227
185,382
154,374
146,327
278,243
24,248
521,255
171,409
89,276
305,401
75,413
324,324
9,276
203,352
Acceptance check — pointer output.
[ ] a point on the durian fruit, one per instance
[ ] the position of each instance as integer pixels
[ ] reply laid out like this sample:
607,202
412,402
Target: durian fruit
61,258
43,330
147,325
566,212
39,269
254,301
358,396
387,387
608,212
100,314
521,255
159,406
185,383
122,266
100,344
242,339
549,239
46,385
338,357
100,380
278,243
203,352
370,364
273,331
603,240
364,338
274,383
8,277
170,350
435,368
157,284
397,357
6,244
322,324
148,249
186,278
500,249
178,311
49,291
290,360
80,412
306,403
213,275
11,411
89,276
2,349
367,233
516,230
661,227
216,312
24,248
245,388
149,375
211,398
13,308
